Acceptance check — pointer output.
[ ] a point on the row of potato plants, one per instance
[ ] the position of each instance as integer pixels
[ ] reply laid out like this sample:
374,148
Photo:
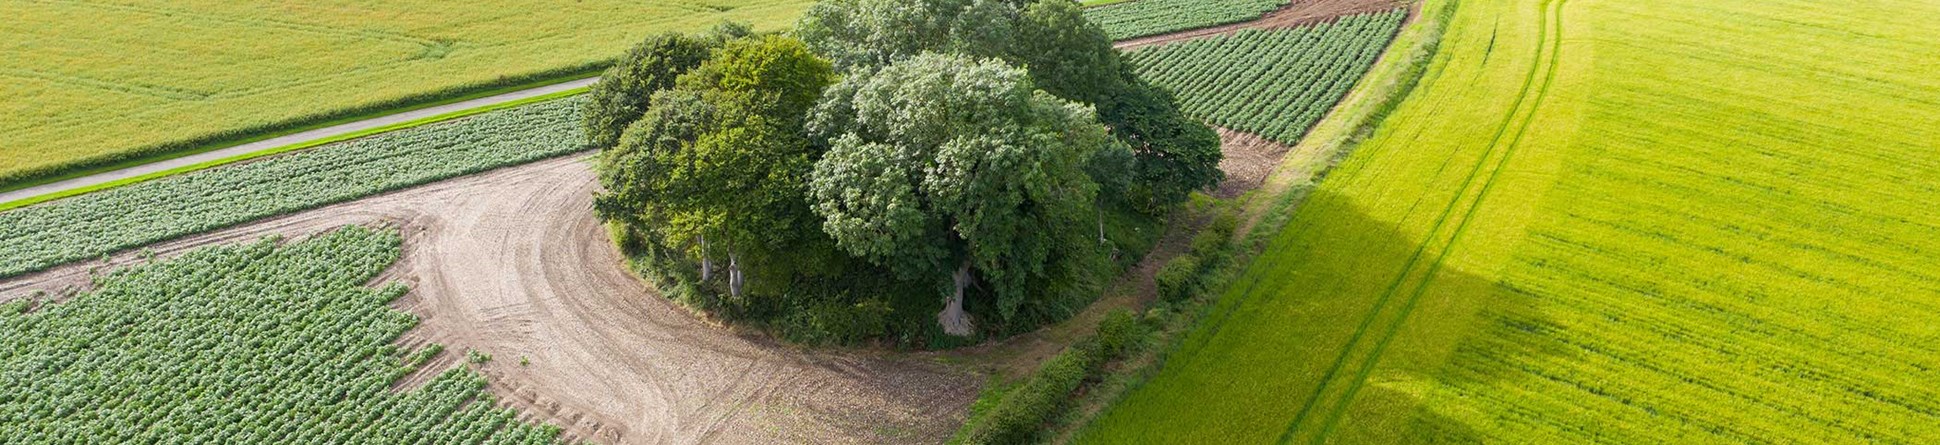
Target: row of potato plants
255,343
1152,17
1274,83
45,235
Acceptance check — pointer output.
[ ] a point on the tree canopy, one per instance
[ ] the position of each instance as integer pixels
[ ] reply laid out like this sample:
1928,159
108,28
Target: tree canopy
718,163
941,162
1064,54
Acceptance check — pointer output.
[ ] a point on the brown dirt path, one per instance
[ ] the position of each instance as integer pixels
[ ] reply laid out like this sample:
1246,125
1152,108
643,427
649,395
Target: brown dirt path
1299,12
513,264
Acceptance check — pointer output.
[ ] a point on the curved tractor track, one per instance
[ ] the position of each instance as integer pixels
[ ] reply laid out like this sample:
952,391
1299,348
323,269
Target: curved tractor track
1371,339
513,264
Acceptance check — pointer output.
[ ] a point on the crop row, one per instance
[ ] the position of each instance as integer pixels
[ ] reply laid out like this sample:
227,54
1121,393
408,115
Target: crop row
1152,17
241,344
1275,83
46,235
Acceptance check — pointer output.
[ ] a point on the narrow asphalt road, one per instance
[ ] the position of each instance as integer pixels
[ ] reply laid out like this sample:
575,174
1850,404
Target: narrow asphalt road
294,138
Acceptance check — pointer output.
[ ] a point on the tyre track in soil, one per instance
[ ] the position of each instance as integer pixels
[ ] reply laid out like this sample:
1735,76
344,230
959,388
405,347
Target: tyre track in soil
1542,72
512,263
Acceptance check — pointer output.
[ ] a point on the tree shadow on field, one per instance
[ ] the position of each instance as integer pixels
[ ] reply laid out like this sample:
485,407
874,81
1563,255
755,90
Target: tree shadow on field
1414,338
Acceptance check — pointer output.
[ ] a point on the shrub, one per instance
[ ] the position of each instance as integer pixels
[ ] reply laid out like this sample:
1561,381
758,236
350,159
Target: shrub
1018,416
1118,333
838,323
1176,279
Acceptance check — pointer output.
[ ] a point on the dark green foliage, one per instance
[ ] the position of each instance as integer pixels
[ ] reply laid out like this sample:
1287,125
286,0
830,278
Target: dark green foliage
1020,414
711,179
1118,333
1178,278
623,92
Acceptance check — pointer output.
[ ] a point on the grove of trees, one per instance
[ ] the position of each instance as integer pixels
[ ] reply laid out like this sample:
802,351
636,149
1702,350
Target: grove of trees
916,171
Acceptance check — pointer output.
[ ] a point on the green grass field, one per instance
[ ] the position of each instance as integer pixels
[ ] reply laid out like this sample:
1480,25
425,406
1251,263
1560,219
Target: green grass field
93,82
1681,221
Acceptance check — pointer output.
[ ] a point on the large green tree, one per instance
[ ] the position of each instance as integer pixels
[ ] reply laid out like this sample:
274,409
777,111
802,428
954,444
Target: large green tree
956,171
1065,55
719,163
623,92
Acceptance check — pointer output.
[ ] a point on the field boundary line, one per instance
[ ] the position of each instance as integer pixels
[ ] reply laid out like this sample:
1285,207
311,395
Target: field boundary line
1381,305
1219,314
204,165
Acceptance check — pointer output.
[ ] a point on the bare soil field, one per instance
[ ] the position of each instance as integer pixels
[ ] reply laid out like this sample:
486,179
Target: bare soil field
513,264
1299,12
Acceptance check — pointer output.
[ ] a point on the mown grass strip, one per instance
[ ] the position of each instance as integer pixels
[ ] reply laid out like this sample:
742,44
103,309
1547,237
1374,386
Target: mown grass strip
285,149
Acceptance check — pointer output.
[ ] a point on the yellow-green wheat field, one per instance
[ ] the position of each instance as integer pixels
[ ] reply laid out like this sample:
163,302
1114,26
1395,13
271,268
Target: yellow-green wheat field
1602,221
87,80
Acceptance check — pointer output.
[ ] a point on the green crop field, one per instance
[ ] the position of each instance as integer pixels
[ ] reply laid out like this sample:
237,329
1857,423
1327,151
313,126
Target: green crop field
244,344
1678,221
1141,18
1275,83
92,82
49,234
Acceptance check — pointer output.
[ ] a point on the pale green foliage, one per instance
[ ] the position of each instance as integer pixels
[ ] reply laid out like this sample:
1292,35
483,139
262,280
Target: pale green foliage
869,33
243,344
941,159
92,225
1064,55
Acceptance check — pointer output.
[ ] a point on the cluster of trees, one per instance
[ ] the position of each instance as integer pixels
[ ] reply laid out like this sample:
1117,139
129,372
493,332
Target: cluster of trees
890,158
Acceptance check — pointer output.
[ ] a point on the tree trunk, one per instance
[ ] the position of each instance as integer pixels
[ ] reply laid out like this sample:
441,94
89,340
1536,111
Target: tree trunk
735,278
954,320
707,265
1101,226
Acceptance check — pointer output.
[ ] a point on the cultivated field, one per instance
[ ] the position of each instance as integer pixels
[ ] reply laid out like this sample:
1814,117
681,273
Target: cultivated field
1148,17
510,263
1274,83
87,226
242,344
1603,222
188,70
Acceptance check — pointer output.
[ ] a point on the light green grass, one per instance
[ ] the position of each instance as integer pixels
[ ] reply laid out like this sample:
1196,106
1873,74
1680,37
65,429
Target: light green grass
1685,221
90,83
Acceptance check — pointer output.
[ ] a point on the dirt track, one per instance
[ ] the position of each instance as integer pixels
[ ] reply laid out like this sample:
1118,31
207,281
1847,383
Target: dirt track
513,264
1299,12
